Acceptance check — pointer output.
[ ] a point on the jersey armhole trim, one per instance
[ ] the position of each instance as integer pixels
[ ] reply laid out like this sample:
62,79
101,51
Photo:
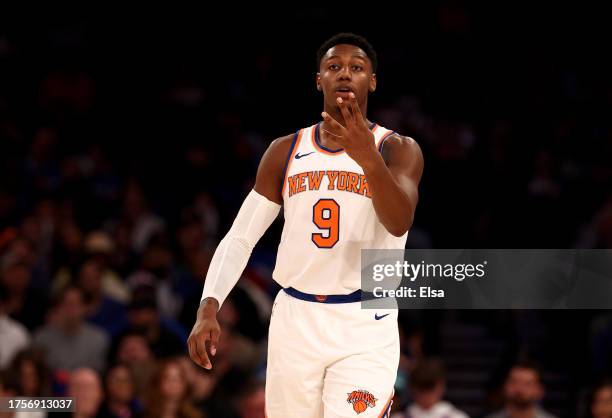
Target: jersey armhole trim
384,138
290,155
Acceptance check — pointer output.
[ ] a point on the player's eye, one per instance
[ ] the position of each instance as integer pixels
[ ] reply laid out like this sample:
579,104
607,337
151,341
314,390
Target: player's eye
357,68
334,67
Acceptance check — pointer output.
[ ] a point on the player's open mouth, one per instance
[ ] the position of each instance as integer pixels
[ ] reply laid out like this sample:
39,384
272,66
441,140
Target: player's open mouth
343,92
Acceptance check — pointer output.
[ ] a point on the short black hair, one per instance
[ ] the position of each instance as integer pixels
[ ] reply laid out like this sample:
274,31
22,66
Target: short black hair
350,39
528,364
59,296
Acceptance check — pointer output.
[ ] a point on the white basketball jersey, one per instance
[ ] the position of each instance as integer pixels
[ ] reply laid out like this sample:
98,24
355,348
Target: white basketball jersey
329,218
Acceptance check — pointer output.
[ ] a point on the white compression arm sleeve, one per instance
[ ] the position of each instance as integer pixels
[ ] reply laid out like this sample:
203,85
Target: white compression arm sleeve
231,256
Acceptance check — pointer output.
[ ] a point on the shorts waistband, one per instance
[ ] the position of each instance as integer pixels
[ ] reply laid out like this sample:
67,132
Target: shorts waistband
351,297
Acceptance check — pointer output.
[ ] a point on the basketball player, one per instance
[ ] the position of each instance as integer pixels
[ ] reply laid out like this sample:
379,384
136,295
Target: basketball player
345,184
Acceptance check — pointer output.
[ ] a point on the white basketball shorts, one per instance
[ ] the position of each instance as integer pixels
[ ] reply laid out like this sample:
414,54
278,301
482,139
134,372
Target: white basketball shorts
330,360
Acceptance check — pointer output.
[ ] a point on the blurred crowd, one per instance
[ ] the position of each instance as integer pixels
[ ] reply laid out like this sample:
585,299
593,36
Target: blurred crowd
124,156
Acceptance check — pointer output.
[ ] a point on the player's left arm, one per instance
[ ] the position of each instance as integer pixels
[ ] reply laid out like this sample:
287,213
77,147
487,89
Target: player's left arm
394,180
393,177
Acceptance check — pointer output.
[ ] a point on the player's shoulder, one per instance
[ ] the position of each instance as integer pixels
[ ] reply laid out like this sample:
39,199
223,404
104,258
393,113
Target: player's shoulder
280,147
282,142
272,166
397,140
401,146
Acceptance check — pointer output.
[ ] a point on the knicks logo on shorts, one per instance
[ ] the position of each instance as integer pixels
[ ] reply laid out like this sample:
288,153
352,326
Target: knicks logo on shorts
361,400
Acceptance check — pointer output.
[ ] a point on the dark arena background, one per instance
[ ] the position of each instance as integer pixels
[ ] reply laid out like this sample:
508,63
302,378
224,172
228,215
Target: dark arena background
128,143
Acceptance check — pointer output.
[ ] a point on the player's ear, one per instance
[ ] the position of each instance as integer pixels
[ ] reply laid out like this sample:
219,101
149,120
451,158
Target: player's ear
319,81
372,83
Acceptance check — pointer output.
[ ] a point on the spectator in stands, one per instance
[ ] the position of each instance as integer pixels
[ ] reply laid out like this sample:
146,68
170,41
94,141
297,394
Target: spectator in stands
601,401
120,399
251,403
140,221
523,391
6,391
169,394
86,388
158,261
67,250
30,374
428,384
68,341
101,310
14,336
22,302
201,382
100,246
133,350
164,335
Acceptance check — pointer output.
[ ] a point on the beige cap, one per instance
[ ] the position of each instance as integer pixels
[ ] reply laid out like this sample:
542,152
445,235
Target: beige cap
99,242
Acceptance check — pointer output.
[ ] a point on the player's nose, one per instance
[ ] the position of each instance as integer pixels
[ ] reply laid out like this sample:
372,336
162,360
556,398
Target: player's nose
344,74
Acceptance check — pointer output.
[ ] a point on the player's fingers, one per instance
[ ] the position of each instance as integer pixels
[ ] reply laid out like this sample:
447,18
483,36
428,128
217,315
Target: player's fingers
356,112
346,114
193,353
200,344
189,350
214,340
338,128
334,123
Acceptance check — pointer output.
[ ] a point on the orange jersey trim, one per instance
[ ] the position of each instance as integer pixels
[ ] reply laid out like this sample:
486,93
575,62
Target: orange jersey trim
291,157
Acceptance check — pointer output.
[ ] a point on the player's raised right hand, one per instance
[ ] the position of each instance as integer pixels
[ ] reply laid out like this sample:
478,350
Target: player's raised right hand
206,329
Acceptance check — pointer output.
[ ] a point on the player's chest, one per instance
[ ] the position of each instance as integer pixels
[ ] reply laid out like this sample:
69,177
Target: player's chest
321,173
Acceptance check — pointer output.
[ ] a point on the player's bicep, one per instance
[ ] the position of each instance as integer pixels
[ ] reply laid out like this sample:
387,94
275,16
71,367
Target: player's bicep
269,178
405,162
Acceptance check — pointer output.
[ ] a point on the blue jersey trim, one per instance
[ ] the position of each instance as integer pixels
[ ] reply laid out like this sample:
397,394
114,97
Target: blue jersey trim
318,141
382,141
